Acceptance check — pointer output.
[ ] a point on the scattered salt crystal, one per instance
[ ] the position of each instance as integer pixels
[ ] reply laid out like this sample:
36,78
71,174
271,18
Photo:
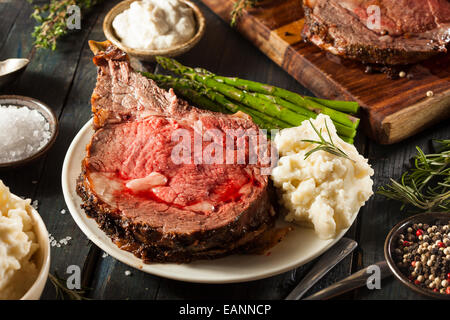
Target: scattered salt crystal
23,132
59,243
128,273
35,204
104,255
34,182
63,211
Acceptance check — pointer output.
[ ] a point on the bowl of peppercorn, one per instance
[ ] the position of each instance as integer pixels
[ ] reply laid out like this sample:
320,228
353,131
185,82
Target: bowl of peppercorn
417,251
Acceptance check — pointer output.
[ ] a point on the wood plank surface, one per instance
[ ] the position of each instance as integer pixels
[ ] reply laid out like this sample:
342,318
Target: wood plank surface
217,52
49,78
64,79
6,23
392,109
380,215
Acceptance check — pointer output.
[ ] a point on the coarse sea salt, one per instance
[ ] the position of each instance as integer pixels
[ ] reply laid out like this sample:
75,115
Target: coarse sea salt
23,132
58,243
35,204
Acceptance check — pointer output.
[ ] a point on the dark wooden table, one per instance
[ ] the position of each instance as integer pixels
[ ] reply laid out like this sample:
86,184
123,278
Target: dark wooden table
65,78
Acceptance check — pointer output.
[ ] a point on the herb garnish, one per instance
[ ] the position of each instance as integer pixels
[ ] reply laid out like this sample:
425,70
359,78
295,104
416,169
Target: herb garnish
426,186
52,18
323,145
240,5
62,291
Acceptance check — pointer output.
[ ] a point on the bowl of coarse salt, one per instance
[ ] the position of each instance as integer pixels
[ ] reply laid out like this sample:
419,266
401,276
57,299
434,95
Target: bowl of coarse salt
28,128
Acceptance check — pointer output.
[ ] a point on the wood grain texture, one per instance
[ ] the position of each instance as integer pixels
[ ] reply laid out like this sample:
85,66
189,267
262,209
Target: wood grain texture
50,78
392,109
221,51
6,23
380,214
65,79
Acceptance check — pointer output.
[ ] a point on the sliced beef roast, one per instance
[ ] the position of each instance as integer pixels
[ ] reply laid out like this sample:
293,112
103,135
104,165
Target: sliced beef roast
167,199
408,30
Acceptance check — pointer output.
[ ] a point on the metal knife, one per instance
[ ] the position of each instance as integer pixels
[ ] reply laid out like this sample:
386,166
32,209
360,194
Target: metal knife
356,280
326,262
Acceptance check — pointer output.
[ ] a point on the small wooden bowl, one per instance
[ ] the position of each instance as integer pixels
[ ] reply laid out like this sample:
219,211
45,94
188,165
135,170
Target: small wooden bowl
47,113
146,54
14,67
389,247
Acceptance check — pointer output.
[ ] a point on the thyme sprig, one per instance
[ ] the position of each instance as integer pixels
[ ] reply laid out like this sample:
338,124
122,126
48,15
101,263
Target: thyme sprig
239,6
323,145
426,186
52,18
62,291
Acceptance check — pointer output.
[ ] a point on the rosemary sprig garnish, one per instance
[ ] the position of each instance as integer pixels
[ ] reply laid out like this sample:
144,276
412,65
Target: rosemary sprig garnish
323,145
239,6
426,186
52,19
62,291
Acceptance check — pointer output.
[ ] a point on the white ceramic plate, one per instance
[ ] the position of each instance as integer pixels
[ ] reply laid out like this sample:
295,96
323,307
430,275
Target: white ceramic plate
297,248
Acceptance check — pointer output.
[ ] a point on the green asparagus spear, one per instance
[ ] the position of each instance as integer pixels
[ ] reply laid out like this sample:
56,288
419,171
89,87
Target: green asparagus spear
187,89
295,98
235,107
286,104
243,97
269,90
343,106
208,99
212,100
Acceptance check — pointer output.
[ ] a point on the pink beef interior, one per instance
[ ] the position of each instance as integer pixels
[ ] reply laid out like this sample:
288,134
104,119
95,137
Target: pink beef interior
409,31
129,165
399,17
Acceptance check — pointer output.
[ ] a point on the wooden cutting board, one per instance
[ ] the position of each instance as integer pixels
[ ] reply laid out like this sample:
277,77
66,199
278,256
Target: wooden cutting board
392,110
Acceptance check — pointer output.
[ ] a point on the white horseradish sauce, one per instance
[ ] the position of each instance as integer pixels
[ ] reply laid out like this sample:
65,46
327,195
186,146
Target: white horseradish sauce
155,24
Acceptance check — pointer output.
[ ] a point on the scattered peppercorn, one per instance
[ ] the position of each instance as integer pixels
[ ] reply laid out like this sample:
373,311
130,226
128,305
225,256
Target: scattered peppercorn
422,254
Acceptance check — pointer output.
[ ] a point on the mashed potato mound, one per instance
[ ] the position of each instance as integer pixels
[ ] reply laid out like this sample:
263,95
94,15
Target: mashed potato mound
324,191
18,243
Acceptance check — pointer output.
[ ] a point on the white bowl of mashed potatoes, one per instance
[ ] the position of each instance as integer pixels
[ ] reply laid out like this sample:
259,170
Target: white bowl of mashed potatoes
322,191
148,28
24,249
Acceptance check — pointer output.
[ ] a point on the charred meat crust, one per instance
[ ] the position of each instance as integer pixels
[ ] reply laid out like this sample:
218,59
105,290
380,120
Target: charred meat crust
152,245
123,98
367,52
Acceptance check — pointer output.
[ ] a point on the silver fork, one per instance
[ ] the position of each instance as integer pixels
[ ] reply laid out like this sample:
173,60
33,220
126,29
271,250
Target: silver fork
326,262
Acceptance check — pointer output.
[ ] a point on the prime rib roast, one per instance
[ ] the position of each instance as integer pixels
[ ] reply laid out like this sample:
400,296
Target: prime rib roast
409,30
157,208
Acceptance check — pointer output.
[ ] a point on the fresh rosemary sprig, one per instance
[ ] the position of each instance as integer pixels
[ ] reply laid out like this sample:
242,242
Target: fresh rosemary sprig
62,291
240,5
426,186
52,18
323,145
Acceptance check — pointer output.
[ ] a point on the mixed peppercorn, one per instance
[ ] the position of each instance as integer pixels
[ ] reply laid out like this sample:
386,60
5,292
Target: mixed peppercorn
423,255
